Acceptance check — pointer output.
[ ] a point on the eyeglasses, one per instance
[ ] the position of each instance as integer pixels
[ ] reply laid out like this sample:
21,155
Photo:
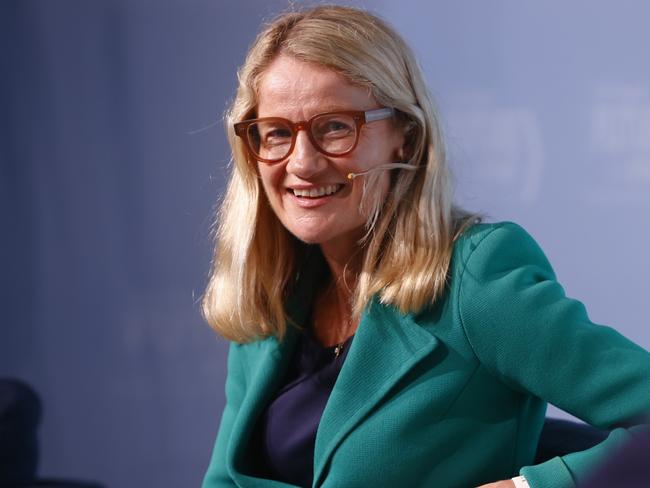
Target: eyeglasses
272,139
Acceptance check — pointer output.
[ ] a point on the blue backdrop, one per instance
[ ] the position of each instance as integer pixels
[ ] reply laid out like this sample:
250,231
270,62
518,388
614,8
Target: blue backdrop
113,155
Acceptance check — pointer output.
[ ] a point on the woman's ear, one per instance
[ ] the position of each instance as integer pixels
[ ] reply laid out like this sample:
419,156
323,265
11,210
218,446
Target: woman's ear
399,154
409,135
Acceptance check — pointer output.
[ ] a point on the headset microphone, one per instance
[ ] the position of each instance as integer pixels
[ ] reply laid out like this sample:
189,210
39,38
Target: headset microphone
383,167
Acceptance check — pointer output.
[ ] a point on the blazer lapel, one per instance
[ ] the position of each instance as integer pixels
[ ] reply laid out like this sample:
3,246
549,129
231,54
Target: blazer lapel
270,368
273,361
386,346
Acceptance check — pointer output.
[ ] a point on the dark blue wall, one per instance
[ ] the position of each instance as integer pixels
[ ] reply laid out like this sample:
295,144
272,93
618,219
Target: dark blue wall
113,155
107,186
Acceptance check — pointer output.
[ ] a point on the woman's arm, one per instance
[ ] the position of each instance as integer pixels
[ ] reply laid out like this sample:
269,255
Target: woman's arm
522,327
217,474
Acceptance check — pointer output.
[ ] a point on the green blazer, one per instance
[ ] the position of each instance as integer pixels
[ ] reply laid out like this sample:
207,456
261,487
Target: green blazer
453,395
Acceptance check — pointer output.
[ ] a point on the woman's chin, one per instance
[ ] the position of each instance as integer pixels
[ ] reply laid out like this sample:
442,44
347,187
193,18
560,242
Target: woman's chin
310,238
337,241
312,231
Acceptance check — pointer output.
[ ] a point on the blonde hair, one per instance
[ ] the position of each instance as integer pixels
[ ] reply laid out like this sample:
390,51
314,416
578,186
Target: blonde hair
408,246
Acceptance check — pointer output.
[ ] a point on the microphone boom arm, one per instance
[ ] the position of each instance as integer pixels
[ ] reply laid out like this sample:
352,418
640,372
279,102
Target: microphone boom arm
383,167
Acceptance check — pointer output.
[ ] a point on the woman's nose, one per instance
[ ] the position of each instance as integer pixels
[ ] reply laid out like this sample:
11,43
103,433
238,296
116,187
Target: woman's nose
305,160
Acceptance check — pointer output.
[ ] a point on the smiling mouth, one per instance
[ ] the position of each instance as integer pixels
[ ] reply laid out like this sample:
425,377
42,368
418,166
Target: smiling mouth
322,191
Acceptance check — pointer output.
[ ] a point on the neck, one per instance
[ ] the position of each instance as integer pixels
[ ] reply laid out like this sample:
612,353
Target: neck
344,266
333,312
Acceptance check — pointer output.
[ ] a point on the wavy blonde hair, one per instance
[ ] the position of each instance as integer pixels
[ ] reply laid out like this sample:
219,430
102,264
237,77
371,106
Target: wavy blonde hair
410,233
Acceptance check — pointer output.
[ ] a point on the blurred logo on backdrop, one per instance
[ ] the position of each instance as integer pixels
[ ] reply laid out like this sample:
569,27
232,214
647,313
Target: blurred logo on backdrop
495,150
619,143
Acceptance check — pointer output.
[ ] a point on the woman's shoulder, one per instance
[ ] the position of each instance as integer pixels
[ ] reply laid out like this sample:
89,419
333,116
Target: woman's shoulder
498,241
474,234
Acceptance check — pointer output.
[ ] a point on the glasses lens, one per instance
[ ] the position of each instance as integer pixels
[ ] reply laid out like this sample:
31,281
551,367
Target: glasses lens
334,133
270,139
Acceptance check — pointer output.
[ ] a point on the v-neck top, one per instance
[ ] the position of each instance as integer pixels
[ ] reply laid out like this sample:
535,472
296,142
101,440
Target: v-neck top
282,444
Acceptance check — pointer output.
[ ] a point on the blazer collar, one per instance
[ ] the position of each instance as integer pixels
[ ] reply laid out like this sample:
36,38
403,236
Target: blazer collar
272,362
386,346
266,379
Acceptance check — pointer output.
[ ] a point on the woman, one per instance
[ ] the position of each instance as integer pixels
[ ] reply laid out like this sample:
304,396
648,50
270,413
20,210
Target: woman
380,336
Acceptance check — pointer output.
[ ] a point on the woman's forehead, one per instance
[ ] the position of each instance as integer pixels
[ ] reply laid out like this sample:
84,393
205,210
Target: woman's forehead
290,84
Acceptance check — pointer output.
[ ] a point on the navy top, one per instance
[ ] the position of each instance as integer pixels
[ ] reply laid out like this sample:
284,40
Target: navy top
282,445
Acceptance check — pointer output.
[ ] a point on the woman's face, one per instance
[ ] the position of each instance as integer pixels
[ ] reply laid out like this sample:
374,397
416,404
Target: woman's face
297,91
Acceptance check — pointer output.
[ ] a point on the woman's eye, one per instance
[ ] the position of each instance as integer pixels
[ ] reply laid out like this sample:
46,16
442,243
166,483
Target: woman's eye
335,128
280,135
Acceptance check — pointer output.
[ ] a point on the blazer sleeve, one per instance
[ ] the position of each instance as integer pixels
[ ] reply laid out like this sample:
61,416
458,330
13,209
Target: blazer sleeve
217,474
523,327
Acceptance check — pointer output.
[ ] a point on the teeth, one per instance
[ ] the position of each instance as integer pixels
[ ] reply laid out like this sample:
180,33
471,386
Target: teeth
317,192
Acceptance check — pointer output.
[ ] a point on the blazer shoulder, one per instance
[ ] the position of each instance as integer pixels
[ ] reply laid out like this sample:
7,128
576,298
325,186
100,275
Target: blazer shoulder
489,241
473,235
